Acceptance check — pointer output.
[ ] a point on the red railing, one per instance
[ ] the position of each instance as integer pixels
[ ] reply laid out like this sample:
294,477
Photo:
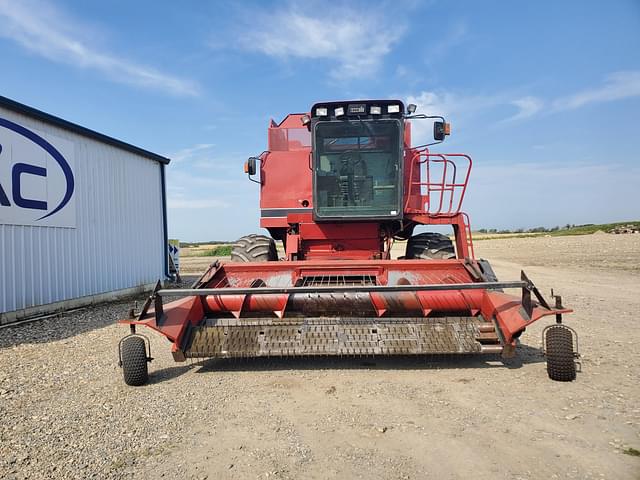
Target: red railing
467,235
442,183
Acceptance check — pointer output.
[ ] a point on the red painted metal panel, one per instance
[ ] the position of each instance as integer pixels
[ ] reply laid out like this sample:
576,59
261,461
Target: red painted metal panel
286,180
434,186
315,231
506,310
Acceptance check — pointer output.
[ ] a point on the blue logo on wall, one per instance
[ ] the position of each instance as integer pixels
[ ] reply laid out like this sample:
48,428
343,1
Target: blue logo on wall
20,169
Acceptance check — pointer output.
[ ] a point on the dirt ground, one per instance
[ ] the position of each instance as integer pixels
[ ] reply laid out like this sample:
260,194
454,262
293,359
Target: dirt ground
65,412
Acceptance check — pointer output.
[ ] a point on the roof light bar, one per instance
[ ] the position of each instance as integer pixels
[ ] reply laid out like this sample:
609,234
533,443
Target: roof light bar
357,109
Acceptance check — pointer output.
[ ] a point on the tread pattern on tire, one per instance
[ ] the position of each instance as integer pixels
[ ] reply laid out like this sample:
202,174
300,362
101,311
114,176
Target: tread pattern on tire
430,245
488,272
254,248
561,365
134,361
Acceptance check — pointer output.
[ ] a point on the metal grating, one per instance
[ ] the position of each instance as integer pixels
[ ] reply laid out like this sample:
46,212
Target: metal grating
334,336
332,280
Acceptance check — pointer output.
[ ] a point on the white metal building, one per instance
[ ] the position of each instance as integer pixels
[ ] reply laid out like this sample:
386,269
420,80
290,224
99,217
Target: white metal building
82,215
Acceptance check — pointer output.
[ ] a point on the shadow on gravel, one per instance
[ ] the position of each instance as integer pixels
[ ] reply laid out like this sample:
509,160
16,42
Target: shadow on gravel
526,355
169,373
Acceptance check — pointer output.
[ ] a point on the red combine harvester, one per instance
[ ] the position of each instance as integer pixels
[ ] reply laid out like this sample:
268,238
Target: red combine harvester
337,187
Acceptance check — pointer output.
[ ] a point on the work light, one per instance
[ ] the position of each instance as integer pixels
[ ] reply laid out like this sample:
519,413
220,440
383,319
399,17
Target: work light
375,110
321,111
338,112
393,109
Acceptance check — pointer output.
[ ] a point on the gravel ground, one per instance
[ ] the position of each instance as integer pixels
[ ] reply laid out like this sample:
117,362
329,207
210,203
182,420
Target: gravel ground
600,251
66,413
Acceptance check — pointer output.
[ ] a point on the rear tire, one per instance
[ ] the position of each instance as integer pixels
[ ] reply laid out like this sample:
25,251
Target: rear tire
254,248
488,272
430,245
134,361
559,350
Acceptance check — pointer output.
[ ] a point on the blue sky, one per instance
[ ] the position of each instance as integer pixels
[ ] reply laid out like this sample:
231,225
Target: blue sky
544,95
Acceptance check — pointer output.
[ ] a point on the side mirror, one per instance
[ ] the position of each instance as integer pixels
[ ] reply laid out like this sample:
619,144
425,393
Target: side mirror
441,130
250,166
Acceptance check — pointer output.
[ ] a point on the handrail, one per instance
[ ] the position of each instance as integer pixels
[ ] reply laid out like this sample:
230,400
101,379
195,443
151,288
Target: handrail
343,289
447,183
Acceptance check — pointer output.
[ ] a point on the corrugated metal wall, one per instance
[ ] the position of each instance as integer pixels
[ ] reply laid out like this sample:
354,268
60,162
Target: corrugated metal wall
118,241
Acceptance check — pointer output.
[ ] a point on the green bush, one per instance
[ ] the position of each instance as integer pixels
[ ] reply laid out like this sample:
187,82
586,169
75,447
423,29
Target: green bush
221,251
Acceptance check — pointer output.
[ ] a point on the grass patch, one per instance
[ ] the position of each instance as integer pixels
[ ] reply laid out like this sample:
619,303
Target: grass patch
631,451
200,244
221,251
589,229
553,232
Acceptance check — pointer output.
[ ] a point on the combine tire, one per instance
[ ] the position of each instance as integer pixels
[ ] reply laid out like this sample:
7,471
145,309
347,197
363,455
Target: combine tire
559,350
254,248
489,274
134,361
430,245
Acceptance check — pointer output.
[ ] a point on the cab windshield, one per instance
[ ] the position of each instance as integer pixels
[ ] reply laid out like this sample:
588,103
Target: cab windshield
357,168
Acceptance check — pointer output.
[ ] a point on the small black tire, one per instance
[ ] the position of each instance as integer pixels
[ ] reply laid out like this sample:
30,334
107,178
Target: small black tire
134,361
561,365
430,245
254,248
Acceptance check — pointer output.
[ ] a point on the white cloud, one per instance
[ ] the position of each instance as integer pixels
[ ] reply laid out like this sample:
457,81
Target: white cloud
448,104
402,71
202,157
617,86
191,153
455,107
527,107
187,190
356,40
42,29
460,107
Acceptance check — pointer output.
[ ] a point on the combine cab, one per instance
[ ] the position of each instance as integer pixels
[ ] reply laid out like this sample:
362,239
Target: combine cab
338,187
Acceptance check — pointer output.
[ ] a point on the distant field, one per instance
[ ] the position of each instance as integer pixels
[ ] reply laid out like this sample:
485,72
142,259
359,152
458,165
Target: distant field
223,249
573,230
